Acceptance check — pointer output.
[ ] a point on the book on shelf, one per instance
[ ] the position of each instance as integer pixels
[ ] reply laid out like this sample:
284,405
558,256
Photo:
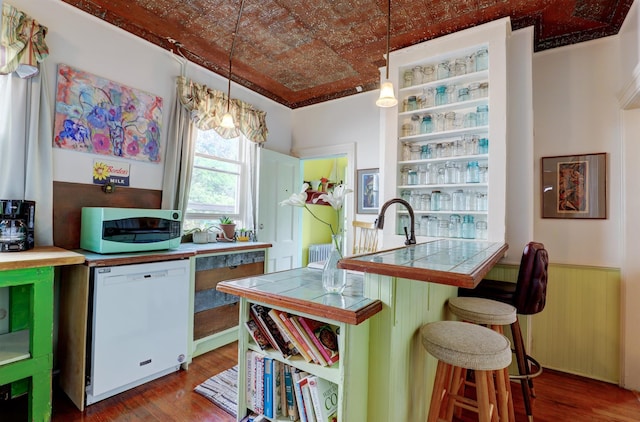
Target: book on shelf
324,336
250,376
317,355
279,318
258,398
261,316
292,408
277,386
296,376
268,387
324,395
306,398
257,334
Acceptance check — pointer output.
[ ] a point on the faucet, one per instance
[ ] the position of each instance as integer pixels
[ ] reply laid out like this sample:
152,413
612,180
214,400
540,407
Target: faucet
411,240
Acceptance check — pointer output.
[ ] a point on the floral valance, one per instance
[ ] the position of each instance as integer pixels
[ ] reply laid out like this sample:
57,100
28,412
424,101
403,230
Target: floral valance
207,106
22,44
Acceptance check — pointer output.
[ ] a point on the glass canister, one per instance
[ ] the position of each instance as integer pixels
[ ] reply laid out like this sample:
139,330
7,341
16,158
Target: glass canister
482,115
449,120
422,175
425,202
426,126
458,148
429,97
471,63
471,144
424,223
417,75
412,103
458,200
460,66
404,176
470,201
483,146
425,150
450,172
482,203
407,128
445,202
415,124
432,173
408,78
432,226
484,172
406,195
415,151
468,227
443,228
437,119
452,94
441,173
412,176
470,119
442,72
455,226
482,59
481,230
441,95
463,94
428,73
484,89
473,172
406,151
474,91
414,200
435,200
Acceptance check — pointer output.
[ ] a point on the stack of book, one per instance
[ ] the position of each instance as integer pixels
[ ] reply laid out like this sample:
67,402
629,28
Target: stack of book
280,391
290,335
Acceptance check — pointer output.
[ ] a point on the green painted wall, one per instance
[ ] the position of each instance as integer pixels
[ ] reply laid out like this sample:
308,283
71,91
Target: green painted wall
314,231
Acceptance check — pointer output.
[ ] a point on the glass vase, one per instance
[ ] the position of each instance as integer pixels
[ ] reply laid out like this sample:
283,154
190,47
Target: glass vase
334,280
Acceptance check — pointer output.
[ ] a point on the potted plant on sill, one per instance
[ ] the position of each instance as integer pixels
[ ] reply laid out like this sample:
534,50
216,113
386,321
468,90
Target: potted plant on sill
228,228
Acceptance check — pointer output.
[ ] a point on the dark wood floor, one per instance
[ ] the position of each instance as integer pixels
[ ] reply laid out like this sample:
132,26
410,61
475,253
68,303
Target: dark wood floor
560,397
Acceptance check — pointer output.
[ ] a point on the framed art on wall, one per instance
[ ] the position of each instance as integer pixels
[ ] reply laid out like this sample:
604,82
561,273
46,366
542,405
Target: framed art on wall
574,186
368,191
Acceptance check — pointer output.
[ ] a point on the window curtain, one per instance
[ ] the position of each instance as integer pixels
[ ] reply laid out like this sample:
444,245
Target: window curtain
197,106
22,44
207,106
26,125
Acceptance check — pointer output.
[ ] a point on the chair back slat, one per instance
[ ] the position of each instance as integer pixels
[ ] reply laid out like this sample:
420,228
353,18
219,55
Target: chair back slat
365,237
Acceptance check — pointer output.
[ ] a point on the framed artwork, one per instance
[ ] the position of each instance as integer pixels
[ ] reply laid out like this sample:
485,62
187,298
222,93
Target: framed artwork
99,116
574,186
368,191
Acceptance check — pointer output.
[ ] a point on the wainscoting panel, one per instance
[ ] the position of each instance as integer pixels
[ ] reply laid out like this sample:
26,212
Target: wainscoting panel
578,332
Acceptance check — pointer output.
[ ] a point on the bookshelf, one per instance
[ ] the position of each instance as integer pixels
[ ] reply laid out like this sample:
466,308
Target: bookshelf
299,292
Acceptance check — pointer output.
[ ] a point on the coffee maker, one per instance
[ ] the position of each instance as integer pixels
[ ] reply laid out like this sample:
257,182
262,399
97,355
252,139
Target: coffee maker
17,222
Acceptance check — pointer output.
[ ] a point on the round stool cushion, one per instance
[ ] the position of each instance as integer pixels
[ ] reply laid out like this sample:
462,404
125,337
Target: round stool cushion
483,311
466,345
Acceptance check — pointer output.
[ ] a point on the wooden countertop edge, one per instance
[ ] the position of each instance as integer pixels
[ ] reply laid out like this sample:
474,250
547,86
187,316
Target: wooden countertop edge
97,260
43,256
312,308
441,277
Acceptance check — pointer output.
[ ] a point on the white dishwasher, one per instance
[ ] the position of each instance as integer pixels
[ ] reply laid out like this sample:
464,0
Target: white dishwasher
139,325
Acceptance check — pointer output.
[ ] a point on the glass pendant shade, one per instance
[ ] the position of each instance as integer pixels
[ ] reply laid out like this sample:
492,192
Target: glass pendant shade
227,121
387,97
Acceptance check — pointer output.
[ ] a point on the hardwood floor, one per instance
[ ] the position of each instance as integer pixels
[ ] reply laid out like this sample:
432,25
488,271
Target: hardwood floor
560,397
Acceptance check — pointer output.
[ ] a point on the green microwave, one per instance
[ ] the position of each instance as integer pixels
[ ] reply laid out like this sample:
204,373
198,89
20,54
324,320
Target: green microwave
115,230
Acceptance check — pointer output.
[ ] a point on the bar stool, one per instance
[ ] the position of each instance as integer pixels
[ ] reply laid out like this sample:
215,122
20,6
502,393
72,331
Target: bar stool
491,301
460,346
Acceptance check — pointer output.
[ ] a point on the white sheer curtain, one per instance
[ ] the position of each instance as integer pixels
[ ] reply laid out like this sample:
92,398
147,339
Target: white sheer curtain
25,147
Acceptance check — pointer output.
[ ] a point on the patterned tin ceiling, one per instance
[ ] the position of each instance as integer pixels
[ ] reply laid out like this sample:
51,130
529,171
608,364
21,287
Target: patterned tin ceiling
302,52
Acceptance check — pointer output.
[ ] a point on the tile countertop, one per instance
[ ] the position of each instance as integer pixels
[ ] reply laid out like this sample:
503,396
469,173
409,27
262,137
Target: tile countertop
300,289
461,263
185,250
40,256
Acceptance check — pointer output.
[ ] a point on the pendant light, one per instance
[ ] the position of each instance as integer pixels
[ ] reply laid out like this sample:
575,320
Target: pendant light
227,119
387,98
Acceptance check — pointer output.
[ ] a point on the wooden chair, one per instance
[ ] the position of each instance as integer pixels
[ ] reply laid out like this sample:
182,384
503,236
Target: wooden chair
365,237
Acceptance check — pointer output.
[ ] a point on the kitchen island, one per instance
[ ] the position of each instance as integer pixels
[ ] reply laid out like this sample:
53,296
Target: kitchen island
403,288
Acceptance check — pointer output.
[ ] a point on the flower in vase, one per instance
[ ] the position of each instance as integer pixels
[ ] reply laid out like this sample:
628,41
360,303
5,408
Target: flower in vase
335,199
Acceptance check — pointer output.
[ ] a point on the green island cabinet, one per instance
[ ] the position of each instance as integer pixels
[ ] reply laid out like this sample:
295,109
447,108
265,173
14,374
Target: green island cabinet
299,292
26,350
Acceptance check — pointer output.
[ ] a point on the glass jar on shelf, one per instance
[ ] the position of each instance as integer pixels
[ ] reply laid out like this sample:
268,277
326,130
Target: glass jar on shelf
482,204
458,148
408,78
406,195
441,95
445,202
417,75
449,120
470,119
441,178
437,121
482,115
468,227
428,97
407,128
471,62
412,103
482,59
443,228
414,200
425,202
427,125
428,73
412,176
474,91
425,150
432,174
483,146
404,176
451,172
457,198
435,200
422,175
415,152
424,224
415,124
484,89
471,144
470,201
473,172
455,226
442,72
403,224
432,226
452,93
460,66
463,94
406,151
481,230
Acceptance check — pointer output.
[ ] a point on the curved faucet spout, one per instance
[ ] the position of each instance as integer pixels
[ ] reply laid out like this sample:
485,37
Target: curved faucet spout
410,237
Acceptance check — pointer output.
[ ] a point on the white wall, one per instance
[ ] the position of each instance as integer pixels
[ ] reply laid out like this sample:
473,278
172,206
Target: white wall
576,112
83,41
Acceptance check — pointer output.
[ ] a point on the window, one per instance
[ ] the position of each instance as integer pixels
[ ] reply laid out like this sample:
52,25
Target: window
216,181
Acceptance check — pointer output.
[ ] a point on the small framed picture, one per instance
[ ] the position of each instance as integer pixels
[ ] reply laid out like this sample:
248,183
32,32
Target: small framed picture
574,186
368,191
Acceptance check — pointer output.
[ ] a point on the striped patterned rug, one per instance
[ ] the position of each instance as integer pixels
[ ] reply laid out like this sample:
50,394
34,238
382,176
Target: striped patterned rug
222,390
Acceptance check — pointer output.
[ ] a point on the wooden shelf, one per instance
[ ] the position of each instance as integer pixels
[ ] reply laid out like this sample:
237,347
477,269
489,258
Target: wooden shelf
14,346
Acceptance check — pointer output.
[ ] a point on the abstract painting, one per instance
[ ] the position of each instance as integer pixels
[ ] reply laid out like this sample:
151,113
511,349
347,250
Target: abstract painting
574,186
99,116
